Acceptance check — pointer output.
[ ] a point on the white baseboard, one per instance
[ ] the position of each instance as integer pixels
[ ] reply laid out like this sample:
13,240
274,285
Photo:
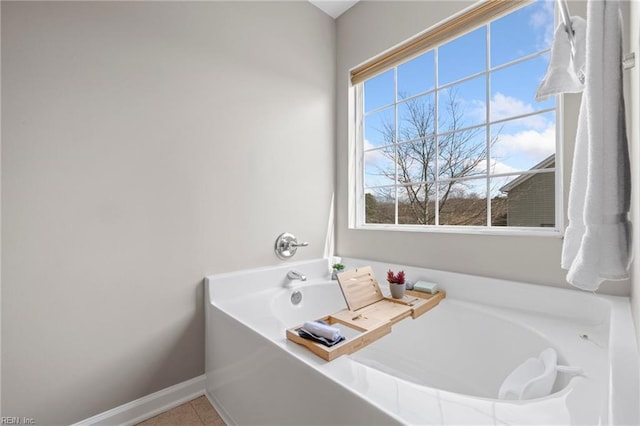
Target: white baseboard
221,412
148,406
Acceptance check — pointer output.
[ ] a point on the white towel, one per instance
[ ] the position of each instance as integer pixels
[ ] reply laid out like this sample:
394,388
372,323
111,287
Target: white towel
323,330
597,242
565,73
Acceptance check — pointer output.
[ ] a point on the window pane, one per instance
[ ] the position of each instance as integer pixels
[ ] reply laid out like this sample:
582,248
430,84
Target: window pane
379,91
379,128
416,205
462,57
519,145
416,118
513,89
379,206
416,160
523,32
499,210
463,203
529,199
416,76
434,140
379,168
462,105
462,154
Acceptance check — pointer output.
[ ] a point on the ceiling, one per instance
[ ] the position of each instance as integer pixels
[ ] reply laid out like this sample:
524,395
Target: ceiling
333,8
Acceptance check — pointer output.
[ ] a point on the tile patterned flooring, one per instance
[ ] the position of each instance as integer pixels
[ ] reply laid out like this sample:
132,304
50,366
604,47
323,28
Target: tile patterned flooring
198,412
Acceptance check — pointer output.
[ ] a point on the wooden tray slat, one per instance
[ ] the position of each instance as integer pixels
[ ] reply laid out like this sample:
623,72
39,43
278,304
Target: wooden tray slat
359,287
386,309
426,301
357,320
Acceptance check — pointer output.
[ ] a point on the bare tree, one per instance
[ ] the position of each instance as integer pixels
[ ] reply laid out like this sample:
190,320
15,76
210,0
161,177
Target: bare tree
459,154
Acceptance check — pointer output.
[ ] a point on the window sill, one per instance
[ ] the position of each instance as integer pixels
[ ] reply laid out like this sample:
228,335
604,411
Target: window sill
469,230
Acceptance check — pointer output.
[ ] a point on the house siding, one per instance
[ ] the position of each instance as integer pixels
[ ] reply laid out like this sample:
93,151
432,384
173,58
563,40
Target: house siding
532,203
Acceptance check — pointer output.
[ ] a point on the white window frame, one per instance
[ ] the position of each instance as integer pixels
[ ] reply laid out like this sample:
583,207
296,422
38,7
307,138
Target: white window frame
356,163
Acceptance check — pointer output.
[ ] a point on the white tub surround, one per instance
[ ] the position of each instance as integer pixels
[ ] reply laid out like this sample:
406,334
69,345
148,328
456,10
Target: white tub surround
445,367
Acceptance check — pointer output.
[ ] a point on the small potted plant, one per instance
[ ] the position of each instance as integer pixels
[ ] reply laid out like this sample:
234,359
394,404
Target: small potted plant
396,284
337,268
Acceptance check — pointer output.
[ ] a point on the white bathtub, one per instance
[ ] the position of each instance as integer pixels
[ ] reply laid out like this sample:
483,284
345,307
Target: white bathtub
444,367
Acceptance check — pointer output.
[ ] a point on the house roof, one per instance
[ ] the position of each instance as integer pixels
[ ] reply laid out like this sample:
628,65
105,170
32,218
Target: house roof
547,163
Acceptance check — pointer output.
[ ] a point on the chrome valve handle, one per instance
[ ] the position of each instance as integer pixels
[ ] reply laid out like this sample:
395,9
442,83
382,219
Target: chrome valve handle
292,244
287,245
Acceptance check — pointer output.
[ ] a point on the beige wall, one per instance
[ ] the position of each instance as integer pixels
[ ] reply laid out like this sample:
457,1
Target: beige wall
144,146
530,259
633,115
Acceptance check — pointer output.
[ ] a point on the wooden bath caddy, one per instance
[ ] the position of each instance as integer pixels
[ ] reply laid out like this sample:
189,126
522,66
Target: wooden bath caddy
369,314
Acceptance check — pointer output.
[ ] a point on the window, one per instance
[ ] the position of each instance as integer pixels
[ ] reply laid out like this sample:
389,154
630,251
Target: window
451,136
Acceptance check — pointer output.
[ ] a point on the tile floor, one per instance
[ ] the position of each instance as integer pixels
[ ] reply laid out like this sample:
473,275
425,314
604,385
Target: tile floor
198,412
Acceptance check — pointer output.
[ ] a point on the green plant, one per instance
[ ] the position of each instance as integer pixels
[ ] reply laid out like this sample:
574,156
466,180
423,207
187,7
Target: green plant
395,279
338,266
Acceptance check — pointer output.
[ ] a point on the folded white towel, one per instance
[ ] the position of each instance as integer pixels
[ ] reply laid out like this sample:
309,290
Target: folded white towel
597,242
323,330
565,73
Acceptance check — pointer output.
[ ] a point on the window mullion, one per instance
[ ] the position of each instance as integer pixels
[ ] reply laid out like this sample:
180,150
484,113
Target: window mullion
359,181
488,120
436,178
395,140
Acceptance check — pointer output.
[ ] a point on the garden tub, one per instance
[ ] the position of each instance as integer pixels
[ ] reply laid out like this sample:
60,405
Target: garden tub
444,367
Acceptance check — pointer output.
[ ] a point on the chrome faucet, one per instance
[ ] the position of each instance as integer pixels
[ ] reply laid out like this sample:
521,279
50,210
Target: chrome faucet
295,275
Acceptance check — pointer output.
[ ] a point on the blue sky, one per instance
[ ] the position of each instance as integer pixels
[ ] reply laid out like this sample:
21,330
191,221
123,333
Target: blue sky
521,143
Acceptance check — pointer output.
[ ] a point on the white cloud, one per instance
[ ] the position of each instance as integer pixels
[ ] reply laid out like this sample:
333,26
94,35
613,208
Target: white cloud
542,22
497,167
373,158
503,106
476,109
531,144
534,140
541,17
368,145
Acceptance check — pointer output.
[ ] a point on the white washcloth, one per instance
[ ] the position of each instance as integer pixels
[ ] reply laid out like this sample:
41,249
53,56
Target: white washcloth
565,73
597,242
323,330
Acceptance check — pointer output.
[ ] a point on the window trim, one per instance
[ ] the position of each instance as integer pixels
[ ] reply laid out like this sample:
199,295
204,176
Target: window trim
483,13
436,35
